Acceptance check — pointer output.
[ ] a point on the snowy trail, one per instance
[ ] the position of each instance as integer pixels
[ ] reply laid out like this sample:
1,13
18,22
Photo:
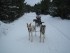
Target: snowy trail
17,41
63,34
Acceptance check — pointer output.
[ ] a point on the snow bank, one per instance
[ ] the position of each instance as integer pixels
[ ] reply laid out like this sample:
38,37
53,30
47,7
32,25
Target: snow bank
3,29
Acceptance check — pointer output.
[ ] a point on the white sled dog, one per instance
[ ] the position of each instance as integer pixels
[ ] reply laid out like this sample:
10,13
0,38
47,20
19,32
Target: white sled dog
31,29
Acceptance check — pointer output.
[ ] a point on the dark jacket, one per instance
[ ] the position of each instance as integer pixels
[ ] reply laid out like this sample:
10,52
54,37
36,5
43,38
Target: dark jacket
38,18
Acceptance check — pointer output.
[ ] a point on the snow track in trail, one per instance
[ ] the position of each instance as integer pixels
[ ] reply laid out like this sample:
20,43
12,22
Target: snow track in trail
60,31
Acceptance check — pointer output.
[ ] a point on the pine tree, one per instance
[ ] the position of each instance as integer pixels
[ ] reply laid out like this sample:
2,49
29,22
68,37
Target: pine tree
63,8
41,8
44,6
11,9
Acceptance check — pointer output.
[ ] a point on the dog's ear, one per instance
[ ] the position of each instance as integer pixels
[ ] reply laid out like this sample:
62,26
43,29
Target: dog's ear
44,25
27,24
30,24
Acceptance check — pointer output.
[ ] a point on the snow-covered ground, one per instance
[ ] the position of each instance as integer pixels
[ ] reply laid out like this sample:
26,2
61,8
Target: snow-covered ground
14,36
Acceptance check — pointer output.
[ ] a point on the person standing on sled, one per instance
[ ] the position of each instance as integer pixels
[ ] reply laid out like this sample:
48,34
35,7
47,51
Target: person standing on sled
38,20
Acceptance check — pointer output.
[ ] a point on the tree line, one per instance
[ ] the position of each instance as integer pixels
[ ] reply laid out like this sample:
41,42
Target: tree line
13,9
55,8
